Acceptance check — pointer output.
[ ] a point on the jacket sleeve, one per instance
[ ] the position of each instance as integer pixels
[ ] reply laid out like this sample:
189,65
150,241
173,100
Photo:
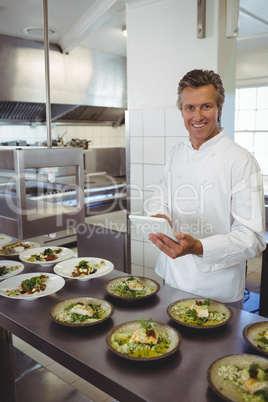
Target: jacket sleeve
247,236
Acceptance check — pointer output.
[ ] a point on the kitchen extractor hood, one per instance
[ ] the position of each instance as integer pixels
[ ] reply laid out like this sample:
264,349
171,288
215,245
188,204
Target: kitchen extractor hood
86,86
29,112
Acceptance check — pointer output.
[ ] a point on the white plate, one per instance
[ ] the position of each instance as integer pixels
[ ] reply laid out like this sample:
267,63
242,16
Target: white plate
4,239
20,249
8,264
63,255
66,268
54,284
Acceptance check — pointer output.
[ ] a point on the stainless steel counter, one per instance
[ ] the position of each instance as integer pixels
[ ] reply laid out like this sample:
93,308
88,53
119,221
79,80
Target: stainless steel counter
181,376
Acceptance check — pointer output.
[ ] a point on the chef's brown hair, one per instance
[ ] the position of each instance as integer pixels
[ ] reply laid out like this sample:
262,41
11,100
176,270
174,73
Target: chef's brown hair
197,78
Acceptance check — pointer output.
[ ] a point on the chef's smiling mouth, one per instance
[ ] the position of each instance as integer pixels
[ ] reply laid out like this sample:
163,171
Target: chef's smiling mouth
199,125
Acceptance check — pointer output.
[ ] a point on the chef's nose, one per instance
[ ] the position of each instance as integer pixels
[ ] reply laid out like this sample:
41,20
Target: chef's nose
198,113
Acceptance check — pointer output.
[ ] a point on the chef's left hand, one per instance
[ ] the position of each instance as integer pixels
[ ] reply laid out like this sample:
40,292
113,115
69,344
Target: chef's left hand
187,244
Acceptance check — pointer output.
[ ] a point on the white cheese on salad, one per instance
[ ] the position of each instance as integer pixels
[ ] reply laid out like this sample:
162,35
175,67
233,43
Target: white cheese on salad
141,336
201,311
83,310
134,285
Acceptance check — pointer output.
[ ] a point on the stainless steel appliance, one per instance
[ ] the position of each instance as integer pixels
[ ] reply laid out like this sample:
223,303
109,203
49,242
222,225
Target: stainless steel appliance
22,215
102,193
104,189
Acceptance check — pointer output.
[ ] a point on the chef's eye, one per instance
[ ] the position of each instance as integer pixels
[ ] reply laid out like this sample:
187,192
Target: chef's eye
189,107
206,107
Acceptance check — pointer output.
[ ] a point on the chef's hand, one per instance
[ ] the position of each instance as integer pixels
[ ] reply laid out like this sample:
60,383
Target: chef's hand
187,244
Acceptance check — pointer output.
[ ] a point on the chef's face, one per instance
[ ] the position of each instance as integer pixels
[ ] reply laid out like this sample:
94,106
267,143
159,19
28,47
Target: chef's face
200,113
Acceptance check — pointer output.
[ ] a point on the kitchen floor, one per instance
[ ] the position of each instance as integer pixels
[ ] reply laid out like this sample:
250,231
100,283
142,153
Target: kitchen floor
95,395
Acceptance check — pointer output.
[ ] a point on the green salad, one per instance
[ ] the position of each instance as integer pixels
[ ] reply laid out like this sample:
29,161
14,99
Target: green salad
85,268
263,340
33,285
47,255
81,313
6,270
251,383
131,287
197,313
145,342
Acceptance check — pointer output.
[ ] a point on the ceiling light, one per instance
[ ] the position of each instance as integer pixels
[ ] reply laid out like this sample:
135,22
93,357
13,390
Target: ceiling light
38,31
124,31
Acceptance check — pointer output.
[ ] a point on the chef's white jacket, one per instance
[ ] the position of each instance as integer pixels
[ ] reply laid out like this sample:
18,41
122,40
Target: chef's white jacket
216,195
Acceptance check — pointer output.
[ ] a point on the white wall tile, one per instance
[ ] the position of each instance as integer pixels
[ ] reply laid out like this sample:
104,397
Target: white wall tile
136,206
136,150
151,253
137,252
154,150
174,123
152,175
153,123
136,200
136,174
150,273
136,270
80,132
101,136
133,231
135,123
146,196
8,133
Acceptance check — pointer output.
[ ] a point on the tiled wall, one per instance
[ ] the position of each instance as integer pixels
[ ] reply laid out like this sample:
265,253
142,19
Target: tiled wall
101,136
152,133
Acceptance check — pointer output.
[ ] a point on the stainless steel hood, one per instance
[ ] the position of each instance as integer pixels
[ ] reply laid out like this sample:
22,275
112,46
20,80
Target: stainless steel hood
86,86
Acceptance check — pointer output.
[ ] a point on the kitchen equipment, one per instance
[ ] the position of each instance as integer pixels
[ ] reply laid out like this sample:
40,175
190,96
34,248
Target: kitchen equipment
23,216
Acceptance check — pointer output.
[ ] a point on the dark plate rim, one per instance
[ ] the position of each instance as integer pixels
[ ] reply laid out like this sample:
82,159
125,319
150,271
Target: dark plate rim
143,359
66,324
210,368
245,331
131,299
199,326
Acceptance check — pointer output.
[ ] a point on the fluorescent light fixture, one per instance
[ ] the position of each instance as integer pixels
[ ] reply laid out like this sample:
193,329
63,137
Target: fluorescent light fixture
38,31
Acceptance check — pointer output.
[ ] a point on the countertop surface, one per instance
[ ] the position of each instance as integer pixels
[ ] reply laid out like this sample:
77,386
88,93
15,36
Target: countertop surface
181,376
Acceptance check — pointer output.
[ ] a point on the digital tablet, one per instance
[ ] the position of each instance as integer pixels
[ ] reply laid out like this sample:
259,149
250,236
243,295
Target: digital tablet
144,225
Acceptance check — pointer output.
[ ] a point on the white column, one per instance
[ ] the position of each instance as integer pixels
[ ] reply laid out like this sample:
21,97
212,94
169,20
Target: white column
162,46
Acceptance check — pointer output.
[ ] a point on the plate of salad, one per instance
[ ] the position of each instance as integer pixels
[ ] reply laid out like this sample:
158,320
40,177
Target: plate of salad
240,378
15,249
31,286
46,255
256,335
10,268
81,311
4,239
132,288
83,268
143,340
199,313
